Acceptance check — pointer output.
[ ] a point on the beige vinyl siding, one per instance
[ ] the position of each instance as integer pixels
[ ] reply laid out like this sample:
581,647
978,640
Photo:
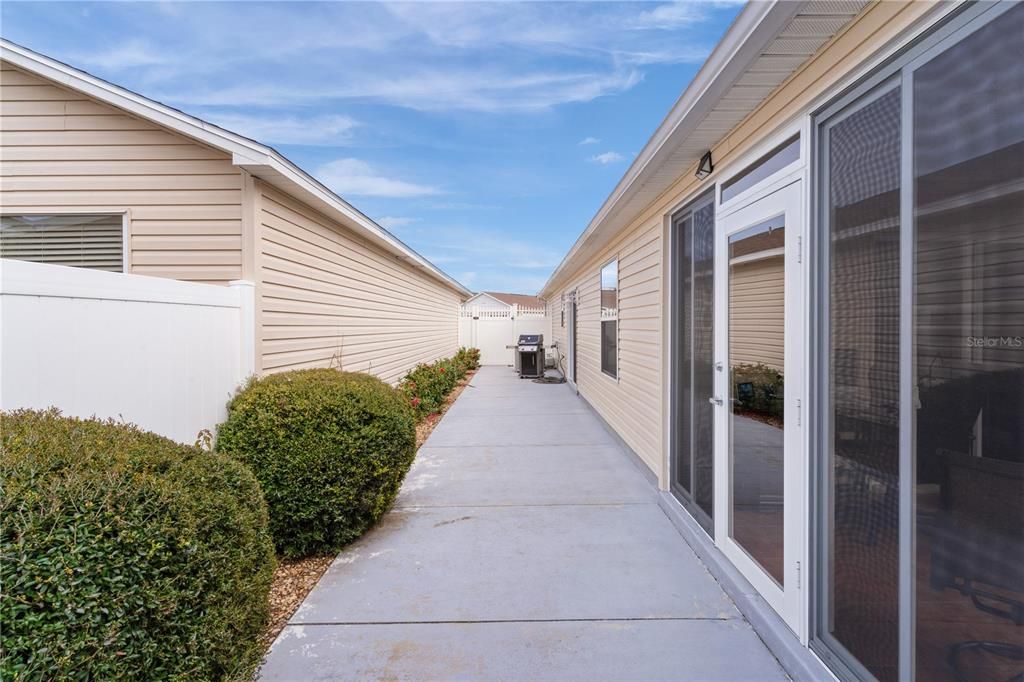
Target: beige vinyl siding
330,298
632,403
558,332
633,406
757,312
63,152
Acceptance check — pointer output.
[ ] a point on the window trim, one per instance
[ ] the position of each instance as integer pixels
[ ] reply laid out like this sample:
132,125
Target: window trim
601,321
758,157
125,232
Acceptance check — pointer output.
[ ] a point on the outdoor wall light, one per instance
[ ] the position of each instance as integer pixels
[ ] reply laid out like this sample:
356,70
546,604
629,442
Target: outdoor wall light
705,167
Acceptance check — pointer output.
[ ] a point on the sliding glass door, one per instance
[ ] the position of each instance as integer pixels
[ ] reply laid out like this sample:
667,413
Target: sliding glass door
921,505
861,172
968,315
692,385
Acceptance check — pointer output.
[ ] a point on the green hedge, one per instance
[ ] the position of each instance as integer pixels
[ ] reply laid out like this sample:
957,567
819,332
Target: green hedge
427,386
330,450
759,389
125,555
468,358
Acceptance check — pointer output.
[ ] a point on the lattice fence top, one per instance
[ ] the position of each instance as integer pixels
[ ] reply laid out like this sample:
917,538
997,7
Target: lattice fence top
501,313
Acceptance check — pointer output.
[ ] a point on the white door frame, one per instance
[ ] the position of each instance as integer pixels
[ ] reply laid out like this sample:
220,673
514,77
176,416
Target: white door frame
785,197
570,339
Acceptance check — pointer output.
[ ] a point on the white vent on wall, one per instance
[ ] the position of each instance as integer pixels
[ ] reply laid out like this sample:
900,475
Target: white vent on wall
81,241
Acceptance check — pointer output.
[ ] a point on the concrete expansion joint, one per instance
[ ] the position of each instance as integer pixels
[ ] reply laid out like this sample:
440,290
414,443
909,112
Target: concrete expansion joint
523,506
487,621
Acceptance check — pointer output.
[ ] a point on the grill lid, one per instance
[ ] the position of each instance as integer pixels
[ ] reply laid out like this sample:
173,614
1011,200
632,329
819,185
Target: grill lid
530,340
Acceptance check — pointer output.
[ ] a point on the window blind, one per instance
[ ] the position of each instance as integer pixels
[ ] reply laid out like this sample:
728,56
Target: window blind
81,241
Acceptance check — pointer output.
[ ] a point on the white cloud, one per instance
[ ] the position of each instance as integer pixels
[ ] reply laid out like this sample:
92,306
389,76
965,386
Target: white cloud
588,140
353,177
670,16
606,158
489,90
462,206
131,55
481,57
393,222
288,129
483,248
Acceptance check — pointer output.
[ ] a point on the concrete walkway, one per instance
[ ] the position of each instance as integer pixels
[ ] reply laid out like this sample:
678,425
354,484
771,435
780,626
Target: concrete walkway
525,544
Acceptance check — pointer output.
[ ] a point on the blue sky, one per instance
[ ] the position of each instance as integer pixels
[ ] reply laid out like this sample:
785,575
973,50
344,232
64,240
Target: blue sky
484,135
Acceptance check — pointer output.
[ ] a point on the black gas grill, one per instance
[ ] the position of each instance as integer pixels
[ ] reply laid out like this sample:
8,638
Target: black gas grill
530,356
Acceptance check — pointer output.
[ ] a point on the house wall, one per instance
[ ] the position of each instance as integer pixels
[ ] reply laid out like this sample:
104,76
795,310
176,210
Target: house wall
328,297
757,313
557,333
61,151
633,405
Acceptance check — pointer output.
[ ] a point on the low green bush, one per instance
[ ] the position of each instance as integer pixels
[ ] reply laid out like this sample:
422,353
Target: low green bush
468,358
427,386
330,450
124,555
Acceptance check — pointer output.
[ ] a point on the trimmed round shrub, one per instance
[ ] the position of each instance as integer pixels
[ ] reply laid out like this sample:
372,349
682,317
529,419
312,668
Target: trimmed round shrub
125,555
329,448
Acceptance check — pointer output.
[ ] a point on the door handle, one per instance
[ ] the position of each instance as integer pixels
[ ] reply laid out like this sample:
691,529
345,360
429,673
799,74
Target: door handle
716,401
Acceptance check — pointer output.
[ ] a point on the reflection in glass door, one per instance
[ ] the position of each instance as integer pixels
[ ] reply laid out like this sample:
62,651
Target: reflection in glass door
757,369
692,385
967,317
759,449
862,178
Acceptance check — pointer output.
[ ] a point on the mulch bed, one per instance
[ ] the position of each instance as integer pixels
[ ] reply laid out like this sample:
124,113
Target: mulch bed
424,428
294,578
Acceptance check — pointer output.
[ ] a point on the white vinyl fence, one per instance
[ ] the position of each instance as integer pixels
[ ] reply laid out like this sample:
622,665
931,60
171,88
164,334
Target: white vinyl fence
164,354
493,330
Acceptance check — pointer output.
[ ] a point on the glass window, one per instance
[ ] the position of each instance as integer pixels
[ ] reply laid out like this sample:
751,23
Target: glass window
693,315
610,318
775,160
968,315
863,217
81,241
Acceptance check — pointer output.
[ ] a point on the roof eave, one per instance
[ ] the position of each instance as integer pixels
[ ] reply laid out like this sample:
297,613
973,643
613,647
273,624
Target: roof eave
757,24
253,156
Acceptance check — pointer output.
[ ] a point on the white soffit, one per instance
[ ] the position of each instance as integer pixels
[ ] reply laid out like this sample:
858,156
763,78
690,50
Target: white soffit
261,161
765,45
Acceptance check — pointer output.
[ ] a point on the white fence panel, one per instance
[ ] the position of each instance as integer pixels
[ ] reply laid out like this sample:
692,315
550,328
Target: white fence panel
164,354
494,330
